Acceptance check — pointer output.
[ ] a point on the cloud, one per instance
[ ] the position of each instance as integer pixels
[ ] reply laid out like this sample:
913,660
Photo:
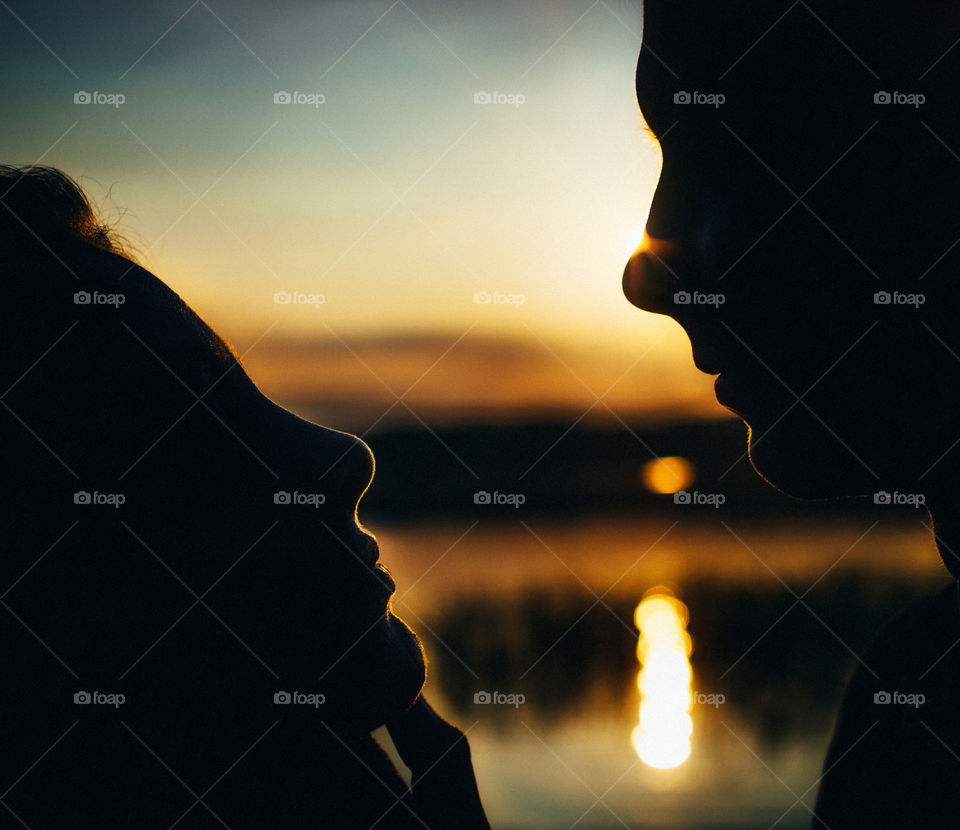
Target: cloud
353,384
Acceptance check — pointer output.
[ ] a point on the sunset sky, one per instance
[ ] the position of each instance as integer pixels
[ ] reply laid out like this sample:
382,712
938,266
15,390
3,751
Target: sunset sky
434,155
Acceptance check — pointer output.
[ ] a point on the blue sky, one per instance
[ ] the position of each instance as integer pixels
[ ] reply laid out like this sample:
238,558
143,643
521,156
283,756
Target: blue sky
397,200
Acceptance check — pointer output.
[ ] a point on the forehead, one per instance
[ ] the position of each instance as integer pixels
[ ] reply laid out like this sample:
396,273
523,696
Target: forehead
784,56
156,314
791,86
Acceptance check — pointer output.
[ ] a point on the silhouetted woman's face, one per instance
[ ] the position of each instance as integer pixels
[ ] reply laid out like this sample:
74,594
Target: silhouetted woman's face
804,229
219,527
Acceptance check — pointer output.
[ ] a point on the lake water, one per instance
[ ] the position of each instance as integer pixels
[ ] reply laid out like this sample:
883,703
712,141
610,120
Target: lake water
544,609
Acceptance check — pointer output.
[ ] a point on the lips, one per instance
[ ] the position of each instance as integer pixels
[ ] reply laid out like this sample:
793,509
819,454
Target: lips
725,394
386,579
370,555
367,551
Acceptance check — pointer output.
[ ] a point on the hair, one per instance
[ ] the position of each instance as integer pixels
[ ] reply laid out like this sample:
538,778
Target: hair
43,206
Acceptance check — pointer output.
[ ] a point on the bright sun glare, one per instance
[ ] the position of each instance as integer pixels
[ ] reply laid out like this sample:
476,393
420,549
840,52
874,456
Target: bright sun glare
662,736
636,237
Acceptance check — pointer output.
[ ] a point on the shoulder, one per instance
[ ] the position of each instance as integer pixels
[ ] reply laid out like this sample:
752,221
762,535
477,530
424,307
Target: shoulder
898,722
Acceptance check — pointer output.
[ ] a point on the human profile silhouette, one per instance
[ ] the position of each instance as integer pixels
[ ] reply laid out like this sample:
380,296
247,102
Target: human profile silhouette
195,631
805,233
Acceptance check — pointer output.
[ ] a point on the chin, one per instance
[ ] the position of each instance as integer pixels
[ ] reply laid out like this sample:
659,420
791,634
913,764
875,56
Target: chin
806,465
402,673
412,661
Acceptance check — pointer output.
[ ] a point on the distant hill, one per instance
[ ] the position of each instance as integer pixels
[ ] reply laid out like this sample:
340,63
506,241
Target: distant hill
562,470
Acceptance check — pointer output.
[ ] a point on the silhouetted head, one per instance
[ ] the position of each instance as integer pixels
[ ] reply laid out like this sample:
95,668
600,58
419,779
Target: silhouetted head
805,228
170,533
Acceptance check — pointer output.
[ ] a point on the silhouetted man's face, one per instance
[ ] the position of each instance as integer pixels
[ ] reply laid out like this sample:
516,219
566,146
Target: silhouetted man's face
804,228
218,527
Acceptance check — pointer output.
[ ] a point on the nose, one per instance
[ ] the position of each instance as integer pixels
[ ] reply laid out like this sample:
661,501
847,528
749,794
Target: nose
339,463
649,281
351,469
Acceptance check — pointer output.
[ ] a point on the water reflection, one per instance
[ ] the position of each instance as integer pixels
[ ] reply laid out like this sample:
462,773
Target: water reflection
662,736
548,610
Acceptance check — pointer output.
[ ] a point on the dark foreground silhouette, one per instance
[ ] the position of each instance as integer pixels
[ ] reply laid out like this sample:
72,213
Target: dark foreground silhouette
804,233
195,629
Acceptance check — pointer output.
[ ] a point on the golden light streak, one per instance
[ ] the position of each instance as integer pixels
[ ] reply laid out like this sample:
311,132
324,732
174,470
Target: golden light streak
662,735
